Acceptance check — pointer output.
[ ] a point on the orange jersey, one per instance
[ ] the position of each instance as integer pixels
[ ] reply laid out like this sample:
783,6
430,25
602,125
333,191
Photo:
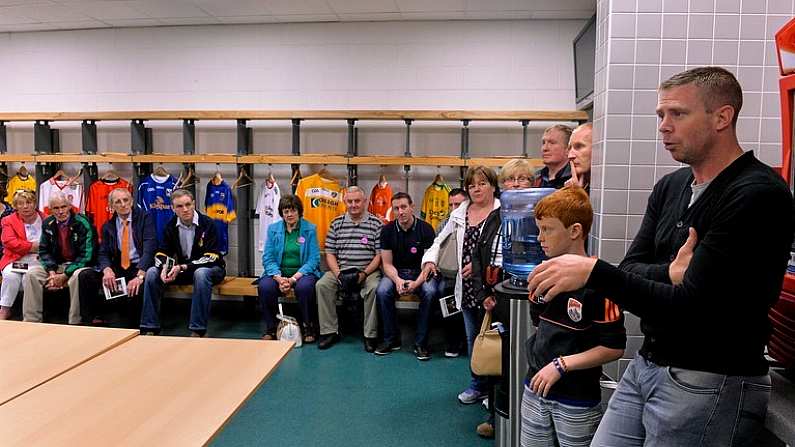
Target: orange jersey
322,200
98,209
380,201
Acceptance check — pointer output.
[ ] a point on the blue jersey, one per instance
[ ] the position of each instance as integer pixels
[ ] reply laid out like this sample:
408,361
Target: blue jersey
220,207
154,195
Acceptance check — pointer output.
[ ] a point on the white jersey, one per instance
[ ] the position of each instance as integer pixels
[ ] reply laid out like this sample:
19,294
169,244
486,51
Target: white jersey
73,191
268,210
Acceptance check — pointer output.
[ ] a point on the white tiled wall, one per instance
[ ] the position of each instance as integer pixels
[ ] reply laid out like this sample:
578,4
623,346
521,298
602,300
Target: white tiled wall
643,42
497,65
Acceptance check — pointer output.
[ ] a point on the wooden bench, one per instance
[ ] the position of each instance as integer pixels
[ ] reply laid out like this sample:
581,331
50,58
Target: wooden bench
237,286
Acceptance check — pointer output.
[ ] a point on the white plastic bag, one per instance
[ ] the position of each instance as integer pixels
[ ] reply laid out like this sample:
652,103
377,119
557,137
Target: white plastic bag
288,329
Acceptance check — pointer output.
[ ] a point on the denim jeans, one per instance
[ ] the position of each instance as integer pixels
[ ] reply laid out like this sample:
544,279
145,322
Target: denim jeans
666,406
268,291
386,294
203,280
473,319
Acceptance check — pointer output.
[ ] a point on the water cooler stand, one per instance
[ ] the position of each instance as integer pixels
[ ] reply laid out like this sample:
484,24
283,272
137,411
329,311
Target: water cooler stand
508,399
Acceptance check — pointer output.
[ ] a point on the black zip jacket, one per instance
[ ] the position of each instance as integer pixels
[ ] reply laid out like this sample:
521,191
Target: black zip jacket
143,235
205,251
82,239
716,320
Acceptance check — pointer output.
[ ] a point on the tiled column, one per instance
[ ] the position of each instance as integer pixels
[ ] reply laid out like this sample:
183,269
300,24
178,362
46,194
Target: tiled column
639,44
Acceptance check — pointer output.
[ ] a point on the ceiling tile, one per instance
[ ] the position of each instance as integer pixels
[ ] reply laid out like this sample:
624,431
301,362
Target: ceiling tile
24,3
109,10
81,24
563,15
13,15
307,7
362,6
247,19
233,8
424,5
22,27
306,18
431,15
370,17
177,21
51,13
499,15
168,9
132,22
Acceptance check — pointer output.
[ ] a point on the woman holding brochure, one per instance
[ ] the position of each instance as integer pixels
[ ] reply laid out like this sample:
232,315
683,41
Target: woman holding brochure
21,231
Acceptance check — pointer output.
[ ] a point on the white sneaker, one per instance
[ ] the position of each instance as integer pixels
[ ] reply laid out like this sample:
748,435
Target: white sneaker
486,403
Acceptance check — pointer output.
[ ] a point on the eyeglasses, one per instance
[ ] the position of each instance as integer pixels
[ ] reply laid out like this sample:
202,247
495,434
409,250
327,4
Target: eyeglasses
520,179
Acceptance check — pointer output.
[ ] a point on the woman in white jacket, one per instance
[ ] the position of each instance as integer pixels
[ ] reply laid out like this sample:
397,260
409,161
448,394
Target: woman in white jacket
466,222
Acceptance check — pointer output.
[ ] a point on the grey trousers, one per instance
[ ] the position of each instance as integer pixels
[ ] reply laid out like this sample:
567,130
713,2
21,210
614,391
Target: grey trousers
33,301
326,289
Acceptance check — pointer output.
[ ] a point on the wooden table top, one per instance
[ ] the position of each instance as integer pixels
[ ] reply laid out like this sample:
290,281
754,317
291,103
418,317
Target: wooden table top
34,353
173,391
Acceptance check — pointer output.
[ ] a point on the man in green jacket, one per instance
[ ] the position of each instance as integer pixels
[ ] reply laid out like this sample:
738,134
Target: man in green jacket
67,246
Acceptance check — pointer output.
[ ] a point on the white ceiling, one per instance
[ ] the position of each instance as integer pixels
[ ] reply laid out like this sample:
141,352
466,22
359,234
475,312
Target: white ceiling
40,15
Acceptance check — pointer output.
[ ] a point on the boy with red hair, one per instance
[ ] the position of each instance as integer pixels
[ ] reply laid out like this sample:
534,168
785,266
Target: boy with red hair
574,337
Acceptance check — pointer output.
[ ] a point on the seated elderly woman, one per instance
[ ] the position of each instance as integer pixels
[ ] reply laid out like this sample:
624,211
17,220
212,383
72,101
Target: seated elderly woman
21,233
291,259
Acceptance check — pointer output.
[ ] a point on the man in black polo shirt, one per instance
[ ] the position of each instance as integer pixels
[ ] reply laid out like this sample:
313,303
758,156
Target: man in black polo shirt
554,153
403,242
702,273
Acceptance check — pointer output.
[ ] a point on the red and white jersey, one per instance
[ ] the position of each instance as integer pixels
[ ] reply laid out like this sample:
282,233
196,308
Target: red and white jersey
73,191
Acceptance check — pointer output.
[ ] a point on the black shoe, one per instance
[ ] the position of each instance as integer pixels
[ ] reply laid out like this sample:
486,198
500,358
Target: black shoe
422,353
369,344
328,340
387,348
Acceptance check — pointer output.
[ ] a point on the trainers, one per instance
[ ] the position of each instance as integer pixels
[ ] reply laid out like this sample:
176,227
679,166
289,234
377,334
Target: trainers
470,396
422,353
450,354
485,403
386,348
485,430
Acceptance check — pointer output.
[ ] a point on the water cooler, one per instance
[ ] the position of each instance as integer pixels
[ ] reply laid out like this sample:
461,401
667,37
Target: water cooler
521,253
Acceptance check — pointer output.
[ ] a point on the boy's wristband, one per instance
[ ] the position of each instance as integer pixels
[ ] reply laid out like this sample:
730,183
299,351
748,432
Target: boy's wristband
563,364
558,366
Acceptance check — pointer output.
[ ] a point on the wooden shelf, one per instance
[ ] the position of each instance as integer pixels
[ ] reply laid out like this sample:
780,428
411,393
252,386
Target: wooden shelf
379,115
499,161
17,157
307,159
411,161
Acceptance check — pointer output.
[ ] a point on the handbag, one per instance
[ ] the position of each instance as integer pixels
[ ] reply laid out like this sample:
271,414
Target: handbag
447,264
493,272
487,350
288,329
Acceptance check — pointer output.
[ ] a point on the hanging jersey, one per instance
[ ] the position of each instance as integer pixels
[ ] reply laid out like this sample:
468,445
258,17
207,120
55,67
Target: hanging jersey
73,192
16,183
268,210
380,201
219,205
434,204
322,200
98,209
154,195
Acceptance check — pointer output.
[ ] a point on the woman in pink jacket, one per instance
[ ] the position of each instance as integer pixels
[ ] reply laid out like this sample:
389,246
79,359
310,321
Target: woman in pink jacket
21,231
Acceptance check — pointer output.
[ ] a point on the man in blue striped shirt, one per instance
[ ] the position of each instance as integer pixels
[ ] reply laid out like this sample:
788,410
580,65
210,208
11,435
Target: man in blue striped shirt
352,254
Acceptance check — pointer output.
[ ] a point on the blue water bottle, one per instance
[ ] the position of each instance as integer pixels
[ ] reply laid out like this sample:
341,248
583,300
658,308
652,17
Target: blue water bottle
521,251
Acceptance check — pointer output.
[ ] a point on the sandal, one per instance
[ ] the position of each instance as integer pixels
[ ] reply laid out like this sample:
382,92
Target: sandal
309,334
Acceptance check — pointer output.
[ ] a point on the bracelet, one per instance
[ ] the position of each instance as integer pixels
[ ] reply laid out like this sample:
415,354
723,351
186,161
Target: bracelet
563,364
556,362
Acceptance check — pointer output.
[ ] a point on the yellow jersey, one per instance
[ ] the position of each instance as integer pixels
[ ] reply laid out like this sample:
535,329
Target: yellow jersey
322,200
434,204
16,183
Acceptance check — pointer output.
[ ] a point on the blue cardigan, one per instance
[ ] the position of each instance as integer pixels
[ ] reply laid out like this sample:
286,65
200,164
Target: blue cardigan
274,249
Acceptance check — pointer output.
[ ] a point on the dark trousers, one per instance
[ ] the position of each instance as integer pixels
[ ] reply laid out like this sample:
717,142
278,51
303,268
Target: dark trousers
269,293
92,298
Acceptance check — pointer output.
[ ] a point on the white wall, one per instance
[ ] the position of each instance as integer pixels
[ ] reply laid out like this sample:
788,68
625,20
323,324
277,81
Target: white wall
497,65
